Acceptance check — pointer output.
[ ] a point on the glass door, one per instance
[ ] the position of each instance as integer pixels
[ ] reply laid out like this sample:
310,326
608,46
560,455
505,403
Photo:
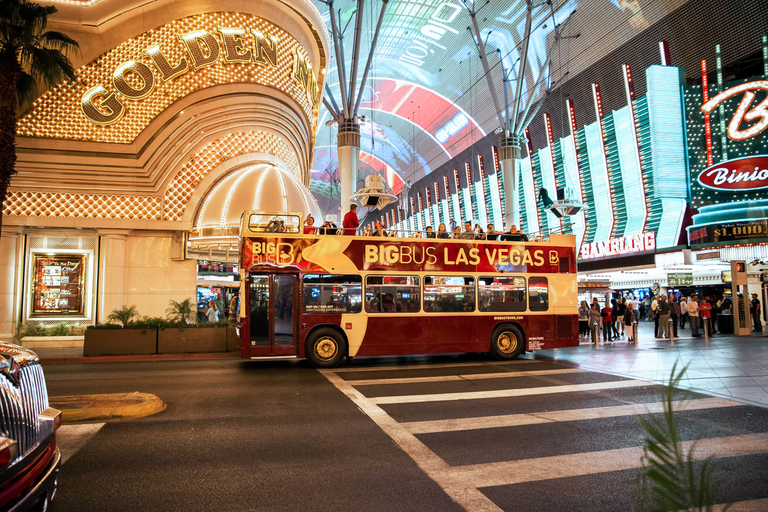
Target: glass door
273,314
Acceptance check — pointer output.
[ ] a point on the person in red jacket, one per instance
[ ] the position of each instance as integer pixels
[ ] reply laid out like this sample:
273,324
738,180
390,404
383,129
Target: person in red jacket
350,220
607,317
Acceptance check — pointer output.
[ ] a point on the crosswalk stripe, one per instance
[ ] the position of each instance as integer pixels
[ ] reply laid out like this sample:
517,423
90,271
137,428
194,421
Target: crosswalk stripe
429,366
470,376
514,420
506,393
590,463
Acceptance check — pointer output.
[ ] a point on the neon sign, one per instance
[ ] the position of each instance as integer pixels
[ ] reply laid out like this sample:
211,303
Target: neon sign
136,80
759,113
749,173
452,127
644,242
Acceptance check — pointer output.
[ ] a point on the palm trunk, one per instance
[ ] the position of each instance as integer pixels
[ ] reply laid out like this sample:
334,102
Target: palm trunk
9,71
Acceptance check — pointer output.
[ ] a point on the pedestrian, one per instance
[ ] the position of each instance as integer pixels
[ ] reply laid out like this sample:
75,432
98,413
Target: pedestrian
683,312
693,315
441,232
468,233
607,317
583,319
705,314
220,306
479,233
456,233
653,314
674,314
621,307
663,311
594,321
430,232
350,222
491,234
756,308
233,309
212,313
628,319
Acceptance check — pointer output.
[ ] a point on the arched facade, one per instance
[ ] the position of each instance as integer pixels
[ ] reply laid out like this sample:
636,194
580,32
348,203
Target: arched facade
113,169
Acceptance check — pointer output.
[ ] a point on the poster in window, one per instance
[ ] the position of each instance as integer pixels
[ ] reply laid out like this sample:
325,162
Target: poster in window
58,285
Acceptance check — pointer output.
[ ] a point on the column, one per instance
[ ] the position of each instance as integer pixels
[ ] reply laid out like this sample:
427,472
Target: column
509,153
112,272
9,287
348,150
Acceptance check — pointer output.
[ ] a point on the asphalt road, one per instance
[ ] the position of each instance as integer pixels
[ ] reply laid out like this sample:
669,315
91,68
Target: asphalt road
443,433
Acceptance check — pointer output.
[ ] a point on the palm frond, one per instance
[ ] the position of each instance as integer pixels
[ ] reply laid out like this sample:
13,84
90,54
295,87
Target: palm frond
669,479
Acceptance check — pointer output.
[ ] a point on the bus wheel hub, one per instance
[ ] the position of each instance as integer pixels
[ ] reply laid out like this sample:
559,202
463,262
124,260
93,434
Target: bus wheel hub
507,342
326,348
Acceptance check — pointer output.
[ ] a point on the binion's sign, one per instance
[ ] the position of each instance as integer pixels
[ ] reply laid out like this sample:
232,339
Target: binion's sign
135,80
757,115
621,246
750,173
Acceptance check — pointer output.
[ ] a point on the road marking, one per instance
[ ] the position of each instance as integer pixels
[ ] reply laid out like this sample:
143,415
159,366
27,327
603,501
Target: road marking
591,463
434,467
515,420
505,393
429,366
469,376
745,506
70,438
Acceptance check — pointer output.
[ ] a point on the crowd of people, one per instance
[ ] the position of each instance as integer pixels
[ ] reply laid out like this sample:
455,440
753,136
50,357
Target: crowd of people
351,226
668,314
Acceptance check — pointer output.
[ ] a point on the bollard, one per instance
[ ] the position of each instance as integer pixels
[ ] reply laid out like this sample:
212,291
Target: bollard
671,328
634,332
595,333
706,329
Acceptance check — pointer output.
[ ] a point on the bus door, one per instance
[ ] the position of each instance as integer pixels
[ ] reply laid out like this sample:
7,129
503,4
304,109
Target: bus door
273,304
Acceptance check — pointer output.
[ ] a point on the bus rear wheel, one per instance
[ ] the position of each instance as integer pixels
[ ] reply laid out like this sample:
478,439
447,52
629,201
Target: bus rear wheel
325,348
507,342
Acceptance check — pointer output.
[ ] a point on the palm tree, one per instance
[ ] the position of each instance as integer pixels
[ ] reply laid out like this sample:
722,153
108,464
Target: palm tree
28,53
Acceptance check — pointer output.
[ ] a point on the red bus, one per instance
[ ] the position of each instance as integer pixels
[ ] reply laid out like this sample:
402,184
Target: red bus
324,297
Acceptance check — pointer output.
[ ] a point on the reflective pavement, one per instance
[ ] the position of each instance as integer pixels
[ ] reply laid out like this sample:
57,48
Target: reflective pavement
724,365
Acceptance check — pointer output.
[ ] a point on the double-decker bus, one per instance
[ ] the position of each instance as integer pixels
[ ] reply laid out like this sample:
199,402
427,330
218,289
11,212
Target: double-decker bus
324,297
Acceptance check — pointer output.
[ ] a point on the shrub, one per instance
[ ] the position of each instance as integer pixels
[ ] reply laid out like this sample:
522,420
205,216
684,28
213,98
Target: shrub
123,315
61,329
181,312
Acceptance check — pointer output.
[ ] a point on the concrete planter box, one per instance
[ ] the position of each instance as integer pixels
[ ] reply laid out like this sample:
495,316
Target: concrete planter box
34,342
192,340
232,339
119,342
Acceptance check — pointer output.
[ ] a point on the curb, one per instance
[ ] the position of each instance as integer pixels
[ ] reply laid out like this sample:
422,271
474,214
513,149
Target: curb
151,357
108,407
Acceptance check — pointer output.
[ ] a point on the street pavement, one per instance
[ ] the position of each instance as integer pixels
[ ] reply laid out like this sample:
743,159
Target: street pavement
401,433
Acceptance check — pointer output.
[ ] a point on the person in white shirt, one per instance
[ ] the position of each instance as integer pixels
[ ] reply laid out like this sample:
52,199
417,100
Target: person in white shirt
683,312
692,307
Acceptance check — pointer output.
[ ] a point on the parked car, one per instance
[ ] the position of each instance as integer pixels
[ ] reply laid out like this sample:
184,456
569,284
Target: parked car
29,457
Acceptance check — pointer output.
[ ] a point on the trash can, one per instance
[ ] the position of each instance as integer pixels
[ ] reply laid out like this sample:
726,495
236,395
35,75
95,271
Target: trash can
725,324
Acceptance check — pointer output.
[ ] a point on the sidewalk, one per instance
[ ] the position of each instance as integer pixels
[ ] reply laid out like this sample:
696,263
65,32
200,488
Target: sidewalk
726,365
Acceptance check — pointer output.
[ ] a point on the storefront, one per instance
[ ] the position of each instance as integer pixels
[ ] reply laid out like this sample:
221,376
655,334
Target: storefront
185,114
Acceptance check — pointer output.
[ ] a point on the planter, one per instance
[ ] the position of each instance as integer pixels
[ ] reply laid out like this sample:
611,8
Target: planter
192,340
34,342
119,342
233,340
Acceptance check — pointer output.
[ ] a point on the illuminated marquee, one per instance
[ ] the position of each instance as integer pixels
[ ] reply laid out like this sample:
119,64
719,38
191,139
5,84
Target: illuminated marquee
740,174
644,242
135,80
759,113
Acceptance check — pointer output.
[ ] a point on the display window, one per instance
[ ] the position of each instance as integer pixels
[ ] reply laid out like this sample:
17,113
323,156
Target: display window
58,286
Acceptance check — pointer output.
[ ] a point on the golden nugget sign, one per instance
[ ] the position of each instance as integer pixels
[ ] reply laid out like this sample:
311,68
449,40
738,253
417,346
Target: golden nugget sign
135,80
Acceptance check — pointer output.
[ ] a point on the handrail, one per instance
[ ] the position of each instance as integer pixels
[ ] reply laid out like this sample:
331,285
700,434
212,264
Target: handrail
414,233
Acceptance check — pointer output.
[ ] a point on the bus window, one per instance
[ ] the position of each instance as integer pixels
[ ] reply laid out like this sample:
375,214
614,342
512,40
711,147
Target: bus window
449,294
501,294
392,294
332,294
265,223
538,294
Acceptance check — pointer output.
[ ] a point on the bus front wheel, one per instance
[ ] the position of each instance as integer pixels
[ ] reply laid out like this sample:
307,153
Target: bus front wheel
507,342
325,348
